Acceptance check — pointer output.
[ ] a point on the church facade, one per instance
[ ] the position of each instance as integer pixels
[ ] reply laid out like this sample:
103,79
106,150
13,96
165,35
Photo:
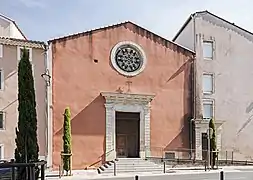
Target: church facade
129,91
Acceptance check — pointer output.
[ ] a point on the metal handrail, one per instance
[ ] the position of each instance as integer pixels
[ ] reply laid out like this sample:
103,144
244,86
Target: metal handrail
101,158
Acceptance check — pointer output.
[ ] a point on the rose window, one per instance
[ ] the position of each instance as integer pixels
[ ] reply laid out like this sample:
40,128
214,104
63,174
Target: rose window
128,58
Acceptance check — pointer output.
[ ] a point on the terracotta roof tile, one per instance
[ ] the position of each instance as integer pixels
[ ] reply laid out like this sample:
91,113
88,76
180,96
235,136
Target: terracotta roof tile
21,42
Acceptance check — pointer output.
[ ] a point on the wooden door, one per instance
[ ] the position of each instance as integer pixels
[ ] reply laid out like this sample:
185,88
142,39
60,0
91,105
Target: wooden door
121,145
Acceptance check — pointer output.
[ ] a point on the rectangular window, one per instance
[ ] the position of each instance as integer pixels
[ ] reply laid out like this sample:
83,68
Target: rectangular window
1,120
208,109
1,79
1,151
1,50
208,82
208,50
21,51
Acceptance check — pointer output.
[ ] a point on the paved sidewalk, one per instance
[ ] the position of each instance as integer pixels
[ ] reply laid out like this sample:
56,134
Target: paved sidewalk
92,174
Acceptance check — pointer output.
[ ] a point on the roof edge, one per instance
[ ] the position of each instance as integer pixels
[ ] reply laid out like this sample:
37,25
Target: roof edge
182,27
117,25
10,41
15,24
199,12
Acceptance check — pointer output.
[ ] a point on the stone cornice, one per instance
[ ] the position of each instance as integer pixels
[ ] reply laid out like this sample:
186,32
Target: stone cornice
114,97
203,122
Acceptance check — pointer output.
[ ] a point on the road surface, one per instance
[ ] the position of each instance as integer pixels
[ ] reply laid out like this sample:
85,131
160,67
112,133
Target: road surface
243,175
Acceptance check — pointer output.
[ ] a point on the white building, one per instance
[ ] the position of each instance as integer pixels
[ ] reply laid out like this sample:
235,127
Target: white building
8,28
223,87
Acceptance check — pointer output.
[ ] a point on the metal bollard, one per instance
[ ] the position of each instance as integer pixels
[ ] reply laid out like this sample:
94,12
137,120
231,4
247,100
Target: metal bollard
114,169
205,165
221,175
13,177
164,167
136,177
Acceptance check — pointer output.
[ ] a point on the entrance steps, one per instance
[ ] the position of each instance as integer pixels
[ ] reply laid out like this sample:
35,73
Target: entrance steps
127,165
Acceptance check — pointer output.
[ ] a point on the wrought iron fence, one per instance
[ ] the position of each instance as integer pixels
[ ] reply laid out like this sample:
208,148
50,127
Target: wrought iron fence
22,171
190,156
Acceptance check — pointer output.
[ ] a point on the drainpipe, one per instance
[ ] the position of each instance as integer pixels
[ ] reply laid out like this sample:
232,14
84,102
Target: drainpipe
194,86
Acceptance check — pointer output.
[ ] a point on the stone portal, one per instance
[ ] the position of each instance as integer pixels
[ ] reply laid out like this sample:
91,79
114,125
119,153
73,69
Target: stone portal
128,103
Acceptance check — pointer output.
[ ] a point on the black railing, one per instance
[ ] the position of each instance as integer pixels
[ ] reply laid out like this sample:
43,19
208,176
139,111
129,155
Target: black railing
22,171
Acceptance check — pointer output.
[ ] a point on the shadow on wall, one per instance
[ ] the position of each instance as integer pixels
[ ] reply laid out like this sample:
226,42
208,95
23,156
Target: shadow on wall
90,120
182,140
89,123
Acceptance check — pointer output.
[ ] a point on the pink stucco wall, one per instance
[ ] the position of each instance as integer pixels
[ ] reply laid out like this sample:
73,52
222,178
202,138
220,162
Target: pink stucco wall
78,81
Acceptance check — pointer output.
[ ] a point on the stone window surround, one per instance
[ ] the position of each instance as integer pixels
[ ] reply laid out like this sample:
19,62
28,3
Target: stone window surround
208,101
1,79
213,83
125,102
1,50
19,54
4,117
2,151
209,40
138,48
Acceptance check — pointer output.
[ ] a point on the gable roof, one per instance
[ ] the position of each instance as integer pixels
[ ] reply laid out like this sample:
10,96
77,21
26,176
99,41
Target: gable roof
127,24
12,21
202,13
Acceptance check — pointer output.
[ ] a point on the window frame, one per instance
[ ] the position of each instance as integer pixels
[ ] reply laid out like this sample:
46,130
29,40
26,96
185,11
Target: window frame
209,102
213,87
203,47
19,53
2,151
2,79
4,117
1,50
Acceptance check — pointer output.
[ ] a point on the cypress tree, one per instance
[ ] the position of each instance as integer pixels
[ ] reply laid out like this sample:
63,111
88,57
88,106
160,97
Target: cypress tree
213,145
27,148
66,140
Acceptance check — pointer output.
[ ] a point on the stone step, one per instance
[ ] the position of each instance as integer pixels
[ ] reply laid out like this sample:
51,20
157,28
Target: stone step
132,170
131,165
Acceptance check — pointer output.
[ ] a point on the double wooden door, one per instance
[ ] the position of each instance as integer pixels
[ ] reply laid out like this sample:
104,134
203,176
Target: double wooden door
127,145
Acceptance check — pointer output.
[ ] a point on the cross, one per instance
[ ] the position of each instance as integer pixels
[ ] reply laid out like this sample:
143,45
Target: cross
129,85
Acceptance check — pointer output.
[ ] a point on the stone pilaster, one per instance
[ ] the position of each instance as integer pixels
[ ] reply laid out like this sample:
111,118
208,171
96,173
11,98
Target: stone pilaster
147,129
109,132
198,143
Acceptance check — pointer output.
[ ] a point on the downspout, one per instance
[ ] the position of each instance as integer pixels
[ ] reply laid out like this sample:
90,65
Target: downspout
192,136
46,103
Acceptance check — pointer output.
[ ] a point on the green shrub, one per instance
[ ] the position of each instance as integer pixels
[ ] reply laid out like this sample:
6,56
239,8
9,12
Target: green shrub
27,149
213,146
66,139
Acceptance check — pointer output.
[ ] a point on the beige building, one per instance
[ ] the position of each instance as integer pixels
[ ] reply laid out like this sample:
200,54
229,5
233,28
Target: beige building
223,67
9,28
10,53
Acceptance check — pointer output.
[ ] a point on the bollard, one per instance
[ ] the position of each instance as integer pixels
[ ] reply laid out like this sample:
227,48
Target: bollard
205,165
114,169
13,177
136,177
43,172
221,175
164,167
60,171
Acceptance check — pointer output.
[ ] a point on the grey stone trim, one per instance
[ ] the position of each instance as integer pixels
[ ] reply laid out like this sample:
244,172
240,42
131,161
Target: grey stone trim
201,127
127,103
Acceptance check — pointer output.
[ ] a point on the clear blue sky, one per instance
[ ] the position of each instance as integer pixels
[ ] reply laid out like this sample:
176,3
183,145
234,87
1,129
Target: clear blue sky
46,19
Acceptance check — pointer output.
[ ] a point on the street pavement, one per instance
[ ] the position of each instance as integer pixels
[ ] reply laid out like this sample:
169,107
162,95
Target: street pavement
247,175
212,175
